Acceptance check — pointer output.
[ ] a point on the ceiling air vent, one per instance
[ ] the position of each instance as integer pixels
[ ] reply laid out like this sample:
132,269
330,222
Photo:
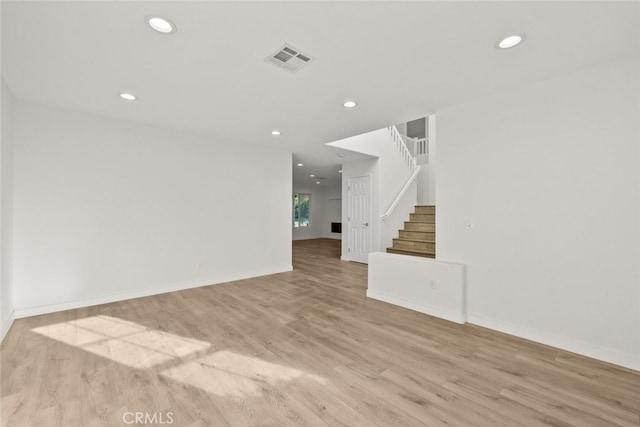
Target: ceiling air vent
289,58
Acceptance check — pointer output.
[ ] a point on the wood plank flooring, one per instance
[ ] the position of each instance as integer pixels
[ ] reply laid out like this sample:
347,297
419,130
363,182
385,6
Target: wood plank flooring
299,348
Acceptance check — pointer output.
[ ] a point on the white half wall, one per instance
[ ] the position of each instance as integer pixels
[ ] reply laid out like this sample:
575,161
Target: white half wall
548,178
107,209
420,284
6,210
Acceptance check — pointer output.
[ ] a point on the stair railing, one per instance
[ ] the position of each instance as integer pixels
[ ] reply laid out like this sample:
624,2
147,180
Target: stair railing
420,146
404,189
403,147
403,143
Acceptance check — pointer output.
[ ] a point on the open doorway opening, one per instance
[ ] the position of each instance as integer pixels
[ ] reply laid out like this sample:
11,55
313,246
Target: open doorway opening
316,204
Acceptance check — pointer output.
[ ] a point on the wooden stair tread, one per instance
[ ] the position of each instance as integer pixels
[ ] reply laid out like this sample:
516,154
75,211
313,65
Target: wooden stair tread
405,239
414,252
424,236
413,245
418,251
425,210
418,237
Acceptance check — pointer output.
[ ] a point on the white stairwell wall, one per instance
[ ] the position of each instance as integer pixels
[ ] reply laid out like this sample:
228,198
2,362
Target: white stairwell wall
426,285
389,171
399,215
427,176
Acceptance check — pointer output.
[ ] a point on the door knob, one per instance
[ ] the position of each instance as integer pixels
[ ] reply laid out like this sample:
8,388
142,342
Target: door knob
366,224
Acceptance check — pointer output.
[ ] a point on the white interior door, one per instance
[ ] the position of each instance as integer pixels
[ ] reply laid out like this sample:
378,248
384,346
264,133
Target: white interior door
359,218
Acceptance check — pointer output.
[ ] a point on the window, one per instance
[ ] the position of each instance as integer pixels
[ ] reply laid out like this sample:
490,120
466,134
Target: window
301,210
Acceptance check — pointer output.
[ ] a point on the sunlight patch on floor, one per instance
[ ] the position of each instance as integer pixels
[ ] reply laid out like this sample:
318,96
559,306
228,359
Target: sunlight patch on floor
223,373
228,374
122,341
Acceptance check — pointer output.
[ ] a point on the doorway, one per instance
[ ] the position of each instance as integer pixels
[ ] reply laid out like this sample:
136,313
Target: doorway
359,218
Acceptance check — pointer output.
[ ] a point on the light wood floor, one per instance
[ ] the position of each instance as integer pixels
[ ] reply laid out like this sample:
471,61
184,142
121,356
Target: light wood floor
299,348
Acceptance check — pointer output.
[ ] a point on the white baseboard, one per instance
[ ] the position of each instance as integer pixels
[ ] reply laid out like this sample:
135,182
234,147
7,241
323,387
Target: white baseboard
311,237
6,325
626,360
105,299
334,236
442,313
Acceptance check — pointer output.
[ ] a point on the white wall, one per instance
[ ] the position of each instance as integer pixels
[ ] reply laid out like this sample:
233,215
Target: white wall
549,175
427,176
6,211
423,186
333,210
433,161
108,209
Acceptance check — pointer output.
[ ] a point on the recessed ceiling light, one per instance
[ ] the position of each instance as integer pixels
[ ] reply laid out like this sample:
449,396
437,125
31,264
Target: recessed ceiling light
300,164
275,132
312,175
160,24
510,41
340,171
317,182
349,104
127,96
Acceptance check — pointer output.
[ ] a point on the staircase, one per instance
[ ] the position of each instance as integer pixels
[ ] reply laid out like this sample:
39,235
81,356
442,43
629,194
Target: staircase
418,238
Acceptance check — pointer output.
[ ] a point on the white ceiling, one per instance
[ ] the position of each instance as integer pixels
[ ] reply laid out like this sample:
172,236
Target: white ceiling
399,60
